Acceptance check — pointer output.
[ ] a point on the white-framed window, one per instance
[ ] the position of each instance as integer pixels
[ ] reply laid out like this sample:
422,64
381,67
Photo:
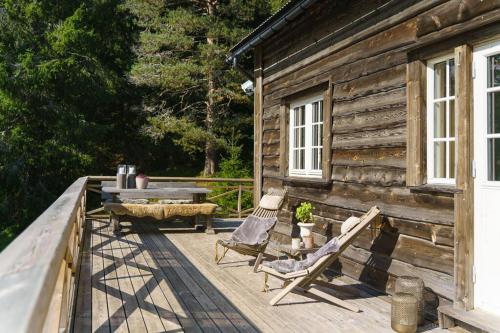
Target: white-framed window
441,135
306,137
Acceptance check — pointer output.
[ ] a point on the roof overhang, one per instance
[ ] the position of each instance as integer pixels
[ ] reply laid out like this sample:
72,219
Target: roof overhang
269,27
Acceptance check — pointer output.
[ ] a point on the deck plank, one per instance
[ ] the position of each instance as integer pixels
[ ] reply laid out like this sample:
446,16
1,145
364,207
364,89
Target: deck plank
185,318
100,315
182,269
135,321
140,291
163,308
166,264
117,318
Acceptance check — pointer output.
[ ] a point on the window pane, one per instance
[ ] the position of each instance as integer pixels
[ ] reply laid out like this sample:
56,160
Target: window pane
451,167
296,115
302,159
302,137
493,112
320,135
494,71
440,119
315,158
452,76
494,159
315,134
295,159
452,118
321,111
440,80
320,158
440,159
315,112
296,137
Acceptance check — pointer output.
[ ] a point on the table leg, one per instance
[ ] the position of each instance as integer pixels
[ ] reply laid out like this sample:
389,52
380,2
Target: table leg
115,222
209,229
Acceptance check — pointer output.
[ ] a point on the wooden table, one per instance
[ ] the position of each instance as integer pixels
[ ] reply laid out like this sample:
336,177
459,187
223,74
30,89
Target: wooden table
198,195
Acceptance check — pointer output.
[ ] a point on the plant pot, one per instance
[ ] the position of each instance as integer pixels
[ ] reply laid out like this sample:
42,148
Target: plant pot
308,242
305,229
141,182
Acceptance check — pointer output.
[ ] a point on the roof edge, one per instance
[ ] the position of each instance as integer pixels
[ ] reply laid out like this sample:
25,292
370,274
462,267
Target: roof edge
269,27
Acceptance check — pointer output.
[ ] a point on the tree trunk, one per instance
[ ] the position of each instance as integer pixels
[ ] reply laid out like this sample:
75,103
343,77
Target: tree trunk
210,151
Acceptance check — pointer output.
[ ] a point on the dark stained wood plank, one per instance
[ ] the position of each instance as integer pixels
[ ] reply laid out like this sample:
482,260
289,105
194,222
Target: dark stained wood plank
258,111
416,90
387,157
464,202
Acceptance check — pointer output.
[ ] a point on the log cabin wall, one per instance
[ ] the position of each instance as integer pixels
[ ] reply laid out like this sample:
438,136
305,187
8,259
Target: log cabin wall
366,69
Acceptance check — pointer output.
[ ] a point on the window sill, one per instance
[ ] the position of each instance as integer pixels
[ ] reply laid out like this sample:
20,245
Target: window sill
435,188
307,182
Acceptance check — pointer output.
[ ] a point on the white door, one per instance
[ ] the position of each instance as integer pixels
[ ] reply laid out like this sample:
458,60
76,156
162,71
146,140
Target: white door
487,181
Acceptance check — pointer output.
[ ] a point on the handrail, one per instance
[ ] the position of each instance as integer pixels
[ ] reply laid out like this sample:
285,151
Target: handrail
37,269
180,179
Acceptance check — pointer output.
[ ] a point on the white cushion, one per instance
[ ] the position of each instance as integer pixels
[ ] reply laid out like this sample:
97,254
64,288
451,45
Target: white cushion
350,223
270,202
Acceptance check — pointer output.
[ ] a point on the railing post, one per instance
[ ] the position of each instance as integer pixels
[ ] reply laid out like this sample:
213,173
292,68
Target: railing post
239,200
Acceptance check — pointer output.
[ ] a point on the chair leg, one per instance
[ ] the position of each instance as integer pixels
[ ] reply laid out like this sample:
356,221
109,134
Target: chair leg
258,261
222,256
285,291
265,289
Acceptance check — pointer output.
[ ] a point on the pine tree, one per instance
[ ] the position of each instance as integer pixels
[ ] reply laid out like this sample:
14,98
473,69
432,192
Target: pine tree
194,96
63,78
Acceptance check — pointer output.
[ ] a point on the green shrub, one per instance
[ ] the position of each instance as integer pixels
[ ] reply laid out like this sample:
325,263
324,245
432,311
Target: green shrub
304,212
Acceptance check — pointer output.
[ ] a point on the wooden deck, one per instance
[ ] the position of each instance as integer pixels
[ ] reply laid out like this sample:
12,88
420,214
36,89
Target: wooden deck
149,281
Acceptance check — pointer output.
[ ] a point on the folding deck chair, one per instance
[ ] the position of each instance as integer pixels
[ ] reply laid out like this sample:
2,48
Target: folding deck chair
302,280
247,249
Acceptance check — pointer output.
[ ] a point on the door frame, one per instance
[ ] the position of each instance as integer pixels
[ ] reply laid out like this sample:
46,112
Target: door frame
481,52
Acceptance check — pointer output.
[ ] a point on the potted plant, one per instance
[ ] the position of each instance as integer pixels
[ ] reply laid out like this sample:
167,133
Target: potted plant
142,181
305,216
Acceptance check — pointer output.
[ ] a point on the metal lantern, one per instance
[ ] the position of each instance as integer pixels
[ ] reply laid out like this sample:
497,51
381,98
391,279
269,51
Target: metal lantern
415,286
404,313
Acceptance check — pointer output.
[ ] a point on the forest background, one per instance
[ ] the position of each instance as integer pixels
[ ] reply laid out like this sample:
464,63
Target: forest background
87,85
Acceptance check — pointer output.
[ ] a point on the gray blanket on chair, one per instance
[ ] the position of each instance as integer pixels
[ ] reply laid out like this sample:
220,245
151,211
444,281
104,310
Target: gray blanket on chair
253,230
291,265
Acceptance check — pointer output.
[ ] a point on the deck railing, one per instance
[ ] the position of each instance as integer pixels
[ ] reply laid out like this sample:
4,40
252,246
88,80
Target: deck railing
223,188
39,269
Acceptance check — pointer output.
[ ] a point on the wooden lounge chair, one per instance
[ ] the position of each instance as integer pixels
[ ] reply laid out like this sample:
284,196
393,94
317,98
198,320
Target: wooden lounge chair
246,249
302,280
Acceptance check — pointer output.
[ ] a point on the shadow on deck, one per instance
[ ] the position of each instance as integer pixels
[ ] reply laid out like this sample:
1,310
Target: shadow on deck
140,282
148,281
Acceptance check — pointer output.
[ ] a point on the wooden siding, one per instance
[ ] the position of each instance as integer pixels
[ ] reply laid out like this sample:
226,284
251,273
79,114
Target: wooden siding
367,71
